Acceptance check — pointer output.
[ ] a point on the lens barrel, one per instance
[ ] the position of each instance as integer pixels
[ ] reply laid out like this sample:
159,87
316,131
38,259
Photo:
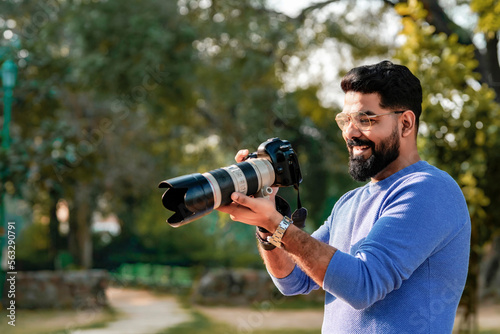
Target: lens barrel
193,196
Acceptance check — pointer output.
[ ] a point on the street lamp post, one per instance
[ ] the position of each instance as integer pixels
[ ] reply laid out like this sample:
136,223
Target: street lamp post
8,73
9,76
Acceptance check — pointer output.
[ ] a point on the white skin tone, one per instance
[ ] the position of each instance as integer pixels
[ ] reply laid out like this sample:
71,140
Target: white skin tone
313,256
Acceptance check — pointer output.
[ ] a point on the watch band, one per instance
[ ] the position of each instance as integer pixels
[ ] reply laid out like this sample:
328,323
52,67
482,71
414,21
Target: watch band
263,242
275,239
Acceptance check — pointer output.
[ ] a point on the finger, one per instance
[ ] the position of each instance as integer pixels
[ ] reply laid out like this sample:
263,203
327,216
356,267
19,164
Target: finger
244,200
229,208
241,155
237,212
275,191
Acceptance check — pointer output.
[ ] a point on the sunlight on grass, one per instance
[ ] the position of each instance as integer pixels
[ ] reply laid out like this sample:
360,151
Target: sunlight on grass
56,321
203,325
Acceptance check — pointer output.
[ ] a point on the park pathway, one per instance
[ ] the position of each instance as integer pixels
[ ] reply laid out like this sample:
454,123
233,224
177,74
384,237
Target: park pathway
141,312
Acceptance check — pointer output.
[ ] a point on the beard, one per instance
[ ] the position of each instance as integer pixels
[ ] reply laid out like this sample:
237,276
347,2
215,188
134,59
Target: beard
362,169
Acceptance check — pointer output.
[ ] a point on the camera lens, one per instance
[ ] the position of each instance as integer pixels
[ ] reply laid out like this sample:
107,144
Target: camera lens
195,195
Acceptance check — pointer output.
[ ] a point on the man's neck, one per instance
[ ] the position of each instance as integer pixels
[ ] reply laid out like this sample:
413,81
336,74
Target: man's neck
400,163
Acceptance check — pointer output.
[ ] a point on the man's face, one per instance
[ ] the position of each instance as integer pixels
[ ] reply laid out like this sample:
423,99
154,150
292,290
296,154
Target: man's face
370,151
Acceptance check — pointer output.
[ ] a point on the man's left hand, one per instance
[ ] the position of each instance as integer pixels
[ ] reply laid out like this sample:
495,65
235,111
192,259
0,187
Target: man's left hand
253,211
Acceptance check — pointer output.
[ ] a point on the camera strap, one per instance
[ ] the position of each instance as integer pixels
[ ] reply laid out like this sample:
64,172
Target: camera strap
299,216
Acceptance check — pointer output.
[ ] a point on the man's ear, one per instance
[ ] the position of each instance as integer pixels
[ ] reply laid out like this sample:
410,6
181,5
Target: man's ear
409,123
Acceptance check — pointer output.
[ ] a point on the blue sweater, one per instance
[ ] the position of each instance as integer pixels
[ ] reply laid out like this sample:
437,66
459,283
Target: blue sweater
403,251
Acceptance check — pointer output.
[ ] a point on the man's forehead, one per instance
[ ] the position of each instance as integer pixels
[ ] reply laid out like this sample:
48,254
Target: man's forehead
356,101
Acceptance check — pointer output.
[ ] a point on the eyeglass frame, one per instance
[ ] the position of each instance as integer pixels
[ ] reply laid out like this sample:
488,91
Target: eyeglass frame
350,119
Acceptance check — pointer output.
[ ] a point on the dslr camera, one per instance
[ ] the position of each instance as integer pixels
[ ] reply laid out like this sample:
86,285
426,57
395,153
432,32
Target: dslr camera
193,196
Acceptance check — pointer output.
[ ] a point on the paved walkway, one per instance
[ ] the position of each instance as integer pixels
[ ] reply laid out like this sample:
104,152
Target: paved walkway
246,320
141,313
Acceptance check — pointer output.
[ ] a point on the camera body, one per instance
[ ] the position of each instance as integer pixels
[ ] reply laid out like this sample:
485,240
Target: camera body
283,159
193,196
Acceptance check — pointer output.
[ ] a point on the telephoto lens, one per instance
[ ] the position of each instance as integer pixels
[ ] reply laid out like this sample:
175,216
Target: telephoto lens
193,196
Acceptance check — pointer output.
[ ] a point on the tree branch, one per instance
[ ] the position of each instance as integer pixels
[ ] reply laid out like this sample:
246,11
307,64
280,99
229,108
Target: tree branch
313,7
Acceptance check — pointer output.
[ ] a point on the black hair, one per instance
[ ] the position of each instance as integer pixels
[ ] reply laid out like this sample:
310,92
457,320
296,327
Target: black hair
397,87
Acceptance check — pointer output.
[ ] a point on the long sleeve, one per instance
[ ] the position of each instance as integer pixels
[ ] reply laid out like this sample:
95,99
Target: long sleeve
298,282
402,256
415,220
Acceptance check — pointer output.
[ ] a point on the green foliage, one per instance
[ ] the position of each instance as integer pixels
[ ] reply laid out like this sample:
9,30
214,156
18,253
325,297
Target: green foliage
32,248
132,93
129,94
489,15
459,128
460,118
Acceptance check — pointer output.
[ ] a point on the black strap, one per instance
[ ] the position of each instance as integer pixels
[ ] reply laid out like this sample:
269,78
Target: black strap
266,245
298,217
299,204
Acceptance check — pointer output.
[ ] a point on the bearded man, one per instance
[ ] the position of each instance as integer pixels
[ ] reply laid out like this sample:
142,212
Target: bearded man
393,255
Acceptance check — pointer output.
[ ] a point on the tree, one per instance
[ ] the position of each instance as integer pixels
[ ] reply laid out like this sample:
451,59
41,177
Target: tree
109,119
458,126
459,123
78,120
139,91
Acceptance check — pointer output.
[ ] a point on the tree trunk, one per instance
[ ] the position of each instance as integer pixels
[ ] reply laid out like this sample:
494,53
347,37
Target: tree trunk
80,236
470,298
54,235
492,65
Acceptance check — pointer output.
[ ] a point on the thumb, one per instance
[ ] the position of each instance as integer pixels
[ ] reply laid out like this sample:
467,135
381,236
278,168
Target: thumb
237,197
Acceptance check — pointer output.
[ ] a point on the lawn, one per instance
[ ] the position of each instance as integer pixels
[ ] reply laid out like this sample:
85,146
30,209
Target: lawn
203,325
55,321
66,321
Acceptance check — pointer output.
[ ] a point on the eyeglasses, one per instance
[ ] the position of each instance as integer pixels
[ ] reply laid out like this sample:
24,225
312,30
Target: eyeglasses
360,119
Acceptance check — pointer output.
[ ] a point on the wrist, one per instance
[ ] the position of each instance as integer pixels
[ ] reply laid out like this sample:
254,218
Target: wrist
279,232
264,233
266,245
274,222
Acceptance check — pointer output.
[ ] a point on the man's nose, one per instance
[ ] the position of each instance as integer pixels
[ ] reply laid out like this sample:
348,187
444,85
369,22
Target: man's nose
351,131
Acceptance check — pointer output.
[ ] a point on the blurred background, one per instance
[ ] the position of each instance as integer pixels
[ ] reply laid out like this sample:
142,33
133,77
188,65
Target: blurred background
103,99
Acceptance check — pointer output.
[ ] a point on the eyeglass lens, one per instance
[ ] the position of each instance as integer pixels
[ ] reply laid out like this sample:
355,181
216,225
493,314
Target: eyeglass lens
361,120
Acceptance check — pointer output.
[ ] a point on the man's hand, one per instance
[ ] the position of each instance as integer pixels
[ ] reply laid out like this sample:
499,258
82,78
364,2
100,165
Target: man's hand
241,155
253,211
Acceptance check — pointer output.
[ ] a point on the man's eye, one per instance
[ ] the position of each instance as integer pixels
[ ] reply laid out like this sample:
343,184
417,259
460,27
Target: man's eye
364,120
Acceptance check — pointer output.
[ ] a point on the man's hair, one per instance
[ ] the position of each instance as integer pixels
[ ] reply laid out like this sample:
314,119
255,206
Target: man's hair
397,87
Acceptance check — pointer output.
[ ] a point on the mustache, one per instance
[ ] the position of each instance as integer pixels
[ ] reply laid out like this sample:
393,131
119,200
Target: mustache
358,142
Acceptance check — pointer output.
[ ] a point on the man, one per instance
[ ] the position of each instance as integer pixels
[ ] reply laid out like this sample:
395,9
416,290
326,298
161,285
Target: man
393,255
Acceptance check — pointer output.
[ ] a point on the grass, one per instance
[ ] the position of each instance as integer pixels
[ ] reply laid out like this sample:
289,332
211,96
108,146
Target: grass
65,321
55,321
203,325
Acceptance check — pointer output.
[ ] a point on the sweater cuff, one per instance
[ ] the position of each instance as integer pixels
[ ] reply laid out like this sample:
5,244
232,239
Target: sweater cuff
288,283
339,274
